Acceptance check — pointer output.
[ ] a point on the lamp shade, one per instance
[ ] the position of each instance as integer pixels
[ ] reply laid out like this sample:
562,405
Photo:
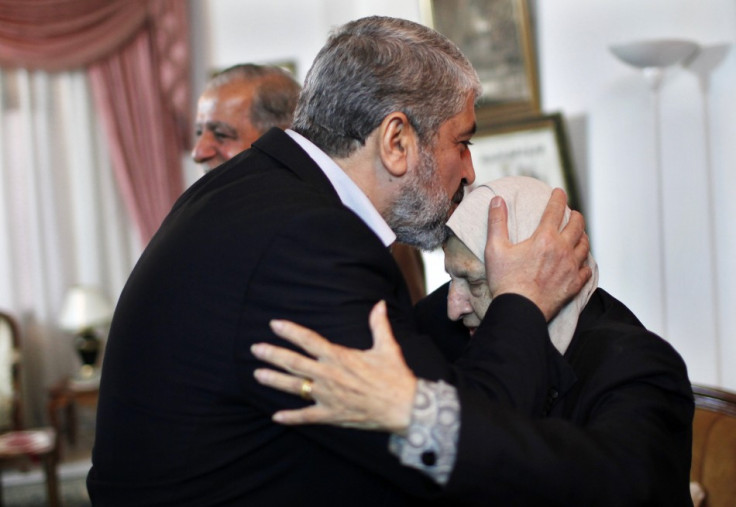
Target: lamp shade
654,53
84,307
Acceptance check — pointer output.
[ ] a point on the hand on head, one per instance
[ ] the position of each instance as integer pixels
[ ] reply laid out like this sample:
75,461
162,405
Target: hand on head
549,267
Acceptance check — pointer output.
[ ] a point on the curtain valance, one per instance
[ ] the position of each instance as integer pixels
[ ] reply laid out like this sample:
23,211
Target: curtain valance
55,35
136,54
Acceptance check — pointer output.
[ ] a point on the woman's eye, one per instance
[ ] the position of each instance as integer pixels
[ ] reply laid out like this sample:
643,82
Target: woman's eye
476,287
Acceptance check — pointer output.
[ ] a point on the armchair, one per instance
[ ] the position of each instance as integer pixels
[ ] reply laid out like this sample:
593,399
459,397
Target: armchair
714,446
18,447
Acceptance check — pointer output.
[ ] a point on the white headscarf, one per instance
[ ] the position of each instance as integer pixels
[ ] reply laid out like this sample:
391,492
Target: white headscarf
526,198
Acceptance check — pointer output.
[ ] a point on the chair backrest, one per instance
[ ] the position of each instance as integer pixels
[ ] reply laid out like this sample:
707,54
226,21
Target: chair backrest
10,408
714,445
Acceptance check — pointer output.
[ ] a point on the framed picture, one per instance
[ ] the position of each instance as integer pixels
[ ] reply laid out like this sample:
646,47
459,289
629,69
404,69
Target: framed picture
535,146
496,36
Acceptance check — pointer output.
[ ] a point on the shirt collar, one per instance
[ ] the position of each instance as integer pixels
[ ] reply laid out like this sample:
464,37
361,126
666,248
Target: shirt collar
350,194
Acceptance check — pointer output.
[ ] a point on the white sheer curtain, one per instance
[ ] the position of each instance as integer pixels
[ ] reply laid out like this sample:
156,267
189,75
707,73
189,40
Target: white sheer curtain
61,219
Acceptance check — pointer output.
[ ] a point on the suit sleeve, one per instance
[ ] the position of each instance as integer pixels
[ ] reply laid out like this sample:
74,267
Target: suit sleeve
511,341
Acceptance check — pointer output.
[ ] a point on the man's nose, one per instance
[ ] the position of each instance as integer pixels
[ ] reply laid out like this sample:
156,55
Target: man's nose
204,148
458,304
468,169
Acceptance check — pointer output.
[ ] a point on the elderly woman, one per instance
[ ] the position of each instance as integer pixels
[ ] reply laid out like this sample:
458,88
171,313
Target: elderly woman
613,428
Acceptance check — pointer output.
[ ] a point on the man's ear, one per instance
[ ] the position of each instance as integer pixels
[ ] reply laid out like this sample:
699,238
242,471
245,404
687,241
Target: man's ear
397,141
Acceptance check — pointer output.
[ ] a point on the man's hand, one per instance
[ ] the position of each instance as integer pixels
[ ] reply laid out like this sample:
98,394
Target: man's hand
372,389
549,267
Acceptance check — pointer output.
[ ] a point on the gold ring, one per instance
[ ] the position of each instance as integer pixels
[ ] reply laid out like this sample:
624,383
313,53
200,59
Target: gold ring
306,391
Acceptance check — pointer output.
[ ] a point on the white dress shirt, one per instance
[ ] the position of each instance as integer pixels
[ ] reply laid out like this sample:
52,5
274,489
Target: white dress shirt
350,194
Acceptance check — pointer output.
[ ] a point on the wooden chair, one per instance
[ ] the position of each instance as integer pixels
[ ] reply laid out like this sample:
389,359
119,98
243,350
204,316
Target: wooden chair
19,447
714,446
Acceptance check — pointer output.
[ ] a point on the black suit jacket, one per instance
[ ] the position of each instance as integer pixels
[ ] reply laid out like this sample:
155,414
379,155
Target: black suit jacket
615,428
181,421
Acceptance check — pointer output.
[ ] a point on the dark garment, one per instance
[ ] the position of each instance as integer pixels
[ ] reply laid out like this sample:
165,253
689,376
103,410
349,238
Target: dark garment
181,420
615,428
411,264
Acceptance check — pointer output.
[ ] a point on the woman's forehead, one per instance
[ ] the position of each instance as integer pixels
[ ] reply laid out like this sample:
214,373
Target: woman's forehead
459,260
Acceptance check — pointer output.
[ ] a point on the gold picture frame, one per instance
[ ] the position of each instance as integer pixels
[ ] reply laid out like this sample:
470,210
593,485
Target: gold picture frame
496,36
533,146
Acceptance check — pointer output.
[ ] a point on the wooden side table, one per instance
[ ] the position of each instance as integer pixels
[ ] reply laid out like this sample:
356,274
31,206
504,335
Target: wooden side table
66,395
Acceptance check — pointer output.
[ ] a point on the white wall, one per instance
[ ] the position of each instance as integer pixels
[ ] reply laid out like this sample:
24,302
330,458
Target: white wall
612,127
279,30
581,78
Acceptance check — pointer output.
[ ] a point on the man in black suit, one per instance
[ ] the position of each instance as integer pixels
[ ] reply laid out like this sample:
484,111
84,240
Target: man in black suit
298,227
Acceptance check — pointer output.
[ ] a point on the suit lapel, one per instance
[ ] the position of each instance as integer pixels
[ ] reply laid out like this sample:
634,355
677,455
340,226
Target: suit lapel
278,145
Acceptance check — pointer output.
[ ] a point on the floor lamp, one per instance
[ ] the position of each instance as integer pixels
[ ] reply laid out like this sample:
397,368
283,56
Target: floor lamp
652,57
708,59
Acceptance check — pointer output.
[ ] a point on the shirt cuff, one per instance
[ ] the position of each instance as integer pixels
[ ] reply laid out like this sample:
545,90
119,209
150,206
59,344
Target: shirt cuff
431,442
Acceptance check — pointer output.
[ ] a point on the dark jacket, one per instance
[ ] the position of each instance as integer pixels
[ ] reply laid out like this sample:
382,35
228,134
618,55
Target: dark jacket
181,420
615,428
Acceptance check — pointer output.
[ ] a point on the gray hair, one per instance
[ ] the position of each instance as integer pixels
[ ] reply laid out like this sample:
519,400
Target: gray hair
374,66
275,96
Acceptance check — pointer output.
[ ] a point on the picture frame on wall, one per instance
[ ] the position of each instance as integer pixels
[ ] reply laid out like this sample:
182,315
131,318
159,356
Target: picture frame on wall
497,38
534,146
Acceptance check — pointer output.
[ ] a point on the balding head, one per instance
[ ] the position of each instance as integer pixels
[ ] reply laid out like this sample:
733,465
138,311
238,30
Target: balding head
237,106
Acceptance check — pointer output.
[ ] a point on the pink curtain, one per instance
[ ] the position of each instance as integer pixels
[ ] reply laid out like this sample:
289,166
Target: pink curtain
137,56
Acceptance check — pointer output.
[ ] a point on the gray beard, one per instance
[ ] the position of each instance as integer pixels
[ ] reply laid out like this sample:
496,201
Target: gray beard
420,212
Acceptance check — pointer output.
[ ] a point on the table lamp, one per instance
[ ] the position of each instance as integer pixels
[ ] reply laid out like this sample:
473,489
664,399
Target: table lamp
84,309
